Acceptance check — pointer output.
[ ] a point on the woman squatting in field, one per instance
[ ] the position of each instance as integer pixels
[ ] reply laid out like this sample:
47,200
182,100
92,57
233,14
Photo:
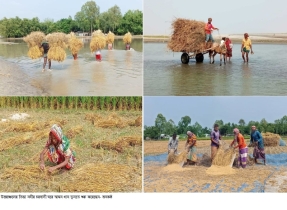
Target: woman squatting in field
58,150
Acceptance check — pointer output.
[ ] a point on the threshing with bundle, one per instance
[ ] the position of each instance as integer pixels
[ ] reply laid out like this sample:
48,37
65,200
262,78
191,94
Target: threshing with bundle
188,37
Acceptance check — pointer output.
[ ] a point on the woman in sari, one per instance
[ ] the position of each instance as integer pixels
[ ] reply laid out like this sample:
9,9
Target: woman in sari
59,152
243,150
256,138
228,48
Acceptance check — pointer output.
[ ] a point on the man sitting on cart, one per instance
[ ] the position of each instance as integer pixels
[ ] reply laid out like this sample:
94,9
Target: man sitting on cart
208,31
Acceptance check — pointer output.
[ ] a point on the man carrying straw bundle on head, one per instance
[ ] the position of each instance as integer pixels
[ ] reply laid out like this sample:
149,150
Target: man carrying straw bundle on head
46,48
173,144
208,31
215,138
190,147
59,152
256,138
243,150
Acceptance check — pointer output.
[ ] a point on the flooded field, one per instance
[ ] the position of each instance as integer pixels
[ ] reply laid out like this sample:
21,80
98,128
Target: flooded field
164,74
119,68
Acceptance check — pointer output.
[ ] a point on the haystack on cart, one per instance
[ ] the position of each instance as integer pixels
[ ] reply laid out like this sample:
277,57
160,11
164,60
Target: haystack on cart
188,37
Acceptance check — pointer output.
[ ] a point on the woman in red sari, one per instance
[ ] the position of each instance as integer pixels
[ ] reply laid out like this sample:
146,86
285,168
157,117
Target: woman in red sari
228,47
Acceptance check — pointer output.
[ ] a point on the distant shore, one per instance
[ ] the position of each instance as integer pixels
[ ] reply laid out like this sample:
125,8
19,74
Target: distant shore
235,38
86,37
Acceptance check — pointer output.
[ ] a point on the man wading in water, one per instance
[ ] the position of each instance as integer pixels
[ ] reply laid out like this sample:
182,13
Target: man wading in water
46,47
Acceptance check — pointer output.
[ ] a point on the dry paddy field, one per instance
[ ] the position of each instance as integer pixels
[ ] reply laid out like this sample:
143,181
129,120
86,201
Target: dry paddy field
161,177
108,148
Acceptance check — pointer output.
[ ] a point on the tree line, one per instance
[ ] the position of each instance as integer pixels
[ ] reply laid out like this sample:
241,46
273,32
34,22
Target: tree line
87,19
168,127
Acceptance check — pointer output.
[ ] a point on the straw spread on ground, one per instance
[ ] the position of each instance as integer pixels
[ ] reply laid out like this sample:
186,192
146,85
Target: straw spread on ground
71,133
104,178
187,36
75,44
30,174
57,43
22,139
120,144
34,40
127,38
110,38
98,41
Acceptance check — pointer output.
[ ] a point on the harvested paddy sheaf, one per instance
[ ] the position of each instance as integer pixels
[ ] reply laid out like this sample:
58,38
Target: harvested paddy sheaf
26,138
104,178
127,38
34,40
27,174
75,44
110,38
98,41
173,158
58,42
187,36
120,144
271,139
71,133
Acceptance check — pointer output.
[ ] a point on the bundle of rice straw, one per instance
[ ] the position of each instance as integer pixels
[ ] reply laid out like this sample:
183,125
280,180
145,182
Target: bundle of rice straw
120,144
138,121
104,178
75,44
172,158
110,38
271,139
25,138
223,157
98,41
113,121
34,41
187,36
127,38
57,43
71,133
27,174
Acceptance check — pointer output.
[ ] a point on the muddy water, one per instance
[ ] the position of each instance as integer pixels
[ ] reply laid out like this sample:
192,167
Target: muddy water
164,74
119,73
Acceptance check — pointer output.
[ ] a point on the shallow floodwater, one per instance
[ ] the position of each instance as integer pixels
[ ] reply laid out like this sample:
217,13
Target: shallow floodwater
119,73
265,74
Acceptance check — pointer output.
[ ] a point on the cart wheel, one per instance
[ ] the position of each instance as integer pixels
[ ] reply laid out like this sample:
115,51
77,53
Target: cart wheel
184,58
199,58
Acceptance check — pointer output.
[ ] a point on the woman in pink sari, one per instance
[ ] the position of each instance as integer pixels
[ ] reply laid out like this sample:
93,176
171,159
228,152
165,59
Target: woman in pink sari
228,47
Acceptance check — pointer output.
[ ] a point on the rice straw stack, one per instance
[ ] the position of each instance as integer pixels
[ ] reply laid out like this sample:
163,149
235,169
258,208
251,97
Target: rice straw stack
34,41
127,38
57,43
110,38
98,41
75,44
187,36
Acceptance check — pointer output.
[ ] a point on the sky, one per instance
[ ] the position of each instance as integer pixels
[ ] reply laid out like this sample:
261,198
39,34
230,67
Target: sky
231,17
58,9
206,110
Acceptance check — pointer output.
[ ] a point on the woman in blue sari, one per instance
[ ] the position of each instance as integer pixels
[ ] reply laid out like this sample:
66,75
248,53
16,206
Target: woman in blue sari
256,138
